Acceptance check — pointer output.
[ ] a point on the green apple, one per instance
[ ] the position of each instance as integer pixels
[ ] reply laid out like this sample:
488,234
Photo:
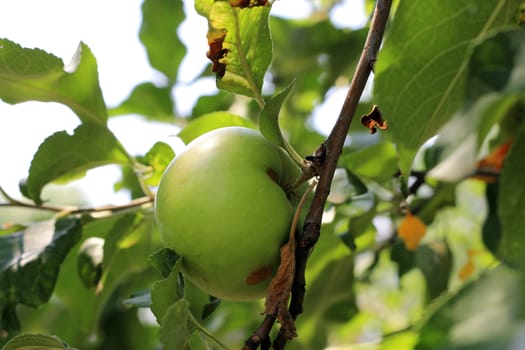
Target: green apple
225,205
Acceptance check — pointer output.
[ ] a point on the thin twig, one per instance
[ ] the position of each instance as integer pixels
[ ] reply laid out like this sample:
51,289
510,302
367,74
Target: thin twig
260,336
63,210
334,146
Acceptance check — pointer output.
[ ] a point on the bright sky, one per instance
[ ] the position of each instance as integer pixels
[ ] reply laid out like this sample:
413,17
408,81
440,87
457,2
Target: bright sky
110,29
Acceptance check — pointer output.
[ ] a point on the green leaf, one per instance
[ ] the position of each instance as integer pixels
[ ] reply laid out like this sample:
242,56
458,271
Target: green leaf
166,292
269,122
154,103
90,257
435,261
158,158
221,101
240,40
31,259
210,307
11,229
421,70
427,208
330,294
173,313
309,51
119,233
212,121
127,272
494,95
175,329
377,162
163,260
33,74
399,340
269,117
496,72
483,315
404,258
158,33
357,225
511,200
505,110
36,342
491,231
497,65
129,181
61,154
330,297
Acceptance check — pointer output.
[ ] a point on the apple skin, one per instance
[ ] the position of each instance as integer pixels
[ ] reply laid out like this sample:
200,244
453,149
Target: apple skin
225,205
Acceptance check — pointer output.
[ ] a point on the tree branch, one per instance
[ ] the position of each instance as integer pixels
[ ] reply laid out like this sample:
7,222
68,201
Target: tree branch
334,146
260,336
325,163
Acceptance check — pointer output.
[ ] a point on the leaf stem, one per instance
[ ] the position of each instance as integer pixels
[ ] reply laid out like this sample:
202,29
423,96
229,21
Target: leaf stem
139,169
296,157
207,333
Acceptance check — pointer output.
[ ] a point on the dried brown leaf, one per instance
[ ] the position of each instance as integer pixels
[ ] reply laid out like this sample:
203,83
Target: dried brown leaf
278,293
216,52
280,287
374,120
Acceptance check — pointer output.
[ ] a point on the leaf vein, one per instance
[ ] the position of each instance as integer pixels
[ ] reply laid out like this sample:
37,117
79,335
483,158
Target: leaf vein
464,62
244,63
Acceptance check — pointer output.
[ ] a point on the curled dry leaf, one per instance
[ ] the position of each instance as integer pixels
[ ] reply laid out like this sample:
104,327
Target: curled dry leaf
280,287
493,163
216,52
374,120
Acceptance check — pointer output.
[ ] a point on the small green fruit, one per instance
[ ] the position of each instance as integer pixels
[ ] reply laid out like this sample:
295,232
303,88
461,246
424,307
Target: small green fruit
225,204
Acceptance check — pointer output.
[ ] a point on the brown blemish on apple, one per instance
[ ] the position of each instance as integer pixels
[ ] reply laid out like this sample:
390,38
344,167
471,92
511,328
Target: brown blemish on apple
259,275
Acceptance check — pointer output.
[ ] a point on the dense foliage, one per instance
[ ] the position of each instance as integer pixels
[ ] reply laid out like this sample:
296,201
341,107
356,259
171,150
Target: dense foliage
422,238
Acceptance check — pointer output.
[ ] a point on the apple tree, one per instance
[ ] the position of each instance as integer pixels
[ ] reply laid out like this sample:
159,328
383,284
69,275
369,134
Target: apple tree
400,228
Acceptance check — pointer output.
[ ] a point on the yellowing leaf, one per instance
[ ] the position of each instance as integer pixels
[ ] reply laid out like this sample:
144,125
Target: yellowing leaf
493,163
411,230
468,269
